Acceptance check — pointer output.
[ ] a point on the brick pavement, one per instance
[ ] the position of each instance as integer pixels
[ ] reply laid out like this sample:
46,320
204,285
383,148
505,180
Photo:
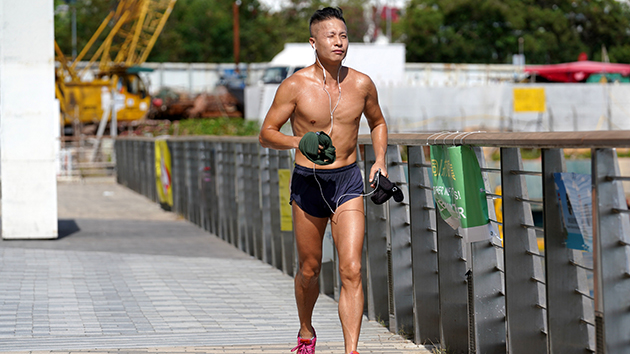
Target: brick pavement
127,277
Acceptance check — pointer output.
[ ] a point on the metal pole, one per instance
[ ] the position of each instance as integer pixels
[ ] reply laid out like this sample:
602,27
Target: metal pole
377,250
400,276
274,199
426,301
288,246
453,289
240,198
74,28
611,240
488,300
265,196
569,310
237,37
524,282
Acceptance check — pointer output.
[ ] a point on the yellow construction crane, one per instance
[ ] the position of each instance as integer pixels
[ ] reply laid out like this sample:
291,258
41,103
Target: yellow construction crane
126,37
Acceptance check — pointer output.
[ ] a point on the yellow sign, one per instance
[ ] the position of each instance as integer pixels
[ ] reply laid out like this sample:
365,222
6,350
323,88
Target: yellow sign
529,100
163,177
286,220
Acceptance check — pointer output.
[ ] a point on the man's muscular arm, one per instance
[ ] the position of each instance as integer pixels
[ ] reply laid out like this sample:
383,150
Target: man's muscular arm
378,129
279,113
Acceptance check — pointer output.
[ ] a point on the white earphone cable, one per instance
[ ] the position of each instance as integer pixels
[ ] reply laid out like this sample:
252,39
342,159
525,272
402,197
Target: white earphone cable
330,107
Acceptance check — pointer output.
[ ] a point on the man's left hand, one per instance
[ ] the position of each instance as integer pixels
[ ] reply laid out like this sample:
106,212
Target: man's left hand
375,168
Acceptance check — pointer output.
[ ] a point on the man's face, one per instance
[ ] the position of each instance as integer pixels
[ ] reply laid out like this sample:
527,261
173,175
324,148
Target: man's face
330,38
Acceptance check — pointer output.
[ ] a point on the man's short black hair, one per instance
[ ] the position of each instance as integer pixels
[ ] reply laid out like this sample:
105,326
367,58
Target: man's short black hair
326,13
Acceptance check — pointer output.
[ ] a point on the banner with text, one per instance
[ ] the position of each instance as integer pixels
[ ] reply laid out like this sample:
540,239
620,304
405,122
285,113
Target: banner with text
459,191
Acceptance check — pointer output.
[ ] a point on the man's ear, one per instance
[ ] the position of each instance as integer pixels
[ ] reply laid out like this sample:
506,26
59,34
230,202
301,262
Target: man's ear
312,42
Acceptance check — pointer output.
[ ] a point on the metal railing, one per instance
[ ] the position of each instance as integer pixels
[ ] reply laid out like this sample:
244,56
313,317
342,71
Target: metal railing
422,277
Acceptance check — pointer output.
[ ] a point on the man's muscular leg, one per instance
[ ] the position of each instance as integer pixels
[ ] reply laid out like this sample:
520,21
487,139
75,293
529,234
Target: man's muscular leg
348,225
309,233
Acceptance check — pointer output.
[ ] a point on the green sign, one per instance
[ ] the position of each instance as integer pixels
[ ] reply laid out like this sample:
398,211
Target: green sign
459,191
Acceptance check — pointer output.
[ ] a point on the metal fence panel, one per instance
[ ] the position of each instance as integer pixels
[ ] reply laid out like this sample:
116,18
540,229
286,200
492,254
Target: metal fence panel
453,290
231,195
221,188
256,208
457,292
488,301
524,279
240,182
265,195
377,252
611,241
569,310
426,302
206,177
288,244
274,203
400,275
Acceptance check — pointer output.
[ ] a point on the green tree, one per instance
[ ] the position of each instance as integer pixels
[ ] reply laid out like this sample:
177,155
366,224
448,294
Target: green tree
196,31
487,31
89,15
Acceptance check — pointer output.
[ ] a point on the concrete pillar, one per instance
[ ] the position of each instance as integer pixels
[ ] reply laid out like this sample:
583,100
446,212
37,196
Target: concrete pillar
29,120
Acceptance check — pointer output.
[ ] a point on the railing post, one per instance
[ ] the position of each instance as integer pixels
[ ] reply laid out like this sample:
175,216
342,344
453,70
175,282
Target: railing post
426,301
210,191
143,168
152,182
453,289
239,159
198,172
251,197
400,276
525,293
134,182
232,185
187,170
569,310
288,246
205,178
611,241
176,167
221,188
377,248
214,191
256,225
265,190
488,301
193,168
274,200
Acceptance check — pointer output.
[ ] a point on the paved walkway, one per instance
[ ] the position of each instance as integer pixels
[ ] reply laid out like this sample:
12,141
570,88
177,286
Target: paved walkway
127,277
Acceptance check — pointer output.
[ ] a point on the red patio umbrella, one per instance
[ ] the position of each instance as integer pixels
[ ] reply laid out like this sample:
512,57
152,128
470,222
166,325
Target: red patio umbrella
576,71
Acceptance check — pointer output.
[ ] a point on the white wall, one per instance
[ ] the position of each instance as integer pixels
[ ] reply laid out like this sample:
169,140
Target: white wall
569,107
579,107
29,119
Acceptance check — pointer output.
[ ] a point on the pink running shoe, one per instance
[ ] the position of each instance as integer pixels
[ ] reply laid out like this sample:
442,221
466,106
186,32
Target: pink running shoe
305,346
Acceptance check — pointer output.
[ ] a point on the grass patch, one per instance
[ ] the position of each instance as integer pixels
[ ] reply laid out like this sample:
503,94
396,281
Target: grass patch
215,126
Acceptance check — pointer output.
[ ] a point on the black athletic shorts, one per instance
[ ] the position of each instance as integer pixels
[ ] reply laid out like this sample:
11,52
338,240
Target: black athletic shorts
337,187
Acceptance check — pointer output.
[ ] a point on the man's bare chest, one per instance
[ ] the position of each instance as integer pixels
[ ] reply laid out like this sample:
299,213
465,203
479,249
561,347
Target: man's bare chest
316,107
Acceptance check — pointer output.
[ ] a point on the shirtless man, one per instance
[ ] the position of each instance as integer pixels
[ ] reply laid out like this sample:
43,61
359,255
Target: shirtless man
328,97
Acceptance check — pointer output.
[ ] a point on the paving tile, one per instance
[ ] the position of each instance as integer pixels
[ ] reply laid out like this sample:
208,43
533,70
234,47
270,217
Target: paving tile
128,277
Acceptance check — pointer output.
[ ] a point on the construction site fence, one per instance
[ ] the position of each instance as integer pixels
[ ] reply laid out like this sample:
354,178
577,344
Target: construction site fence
525,292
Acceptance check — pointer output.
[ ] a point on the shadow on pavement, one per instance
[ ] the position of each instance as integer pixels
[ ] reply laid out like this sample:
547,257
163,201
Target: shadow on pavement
67,227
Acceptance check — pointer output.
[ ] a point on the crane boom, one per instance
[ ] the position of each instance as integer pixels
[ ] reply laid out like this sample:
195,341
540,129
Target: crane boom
124,39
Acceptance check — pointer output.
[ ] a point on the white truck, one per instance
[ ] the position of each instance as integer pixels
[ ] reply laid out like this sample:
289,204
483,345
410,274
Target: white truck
384,63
